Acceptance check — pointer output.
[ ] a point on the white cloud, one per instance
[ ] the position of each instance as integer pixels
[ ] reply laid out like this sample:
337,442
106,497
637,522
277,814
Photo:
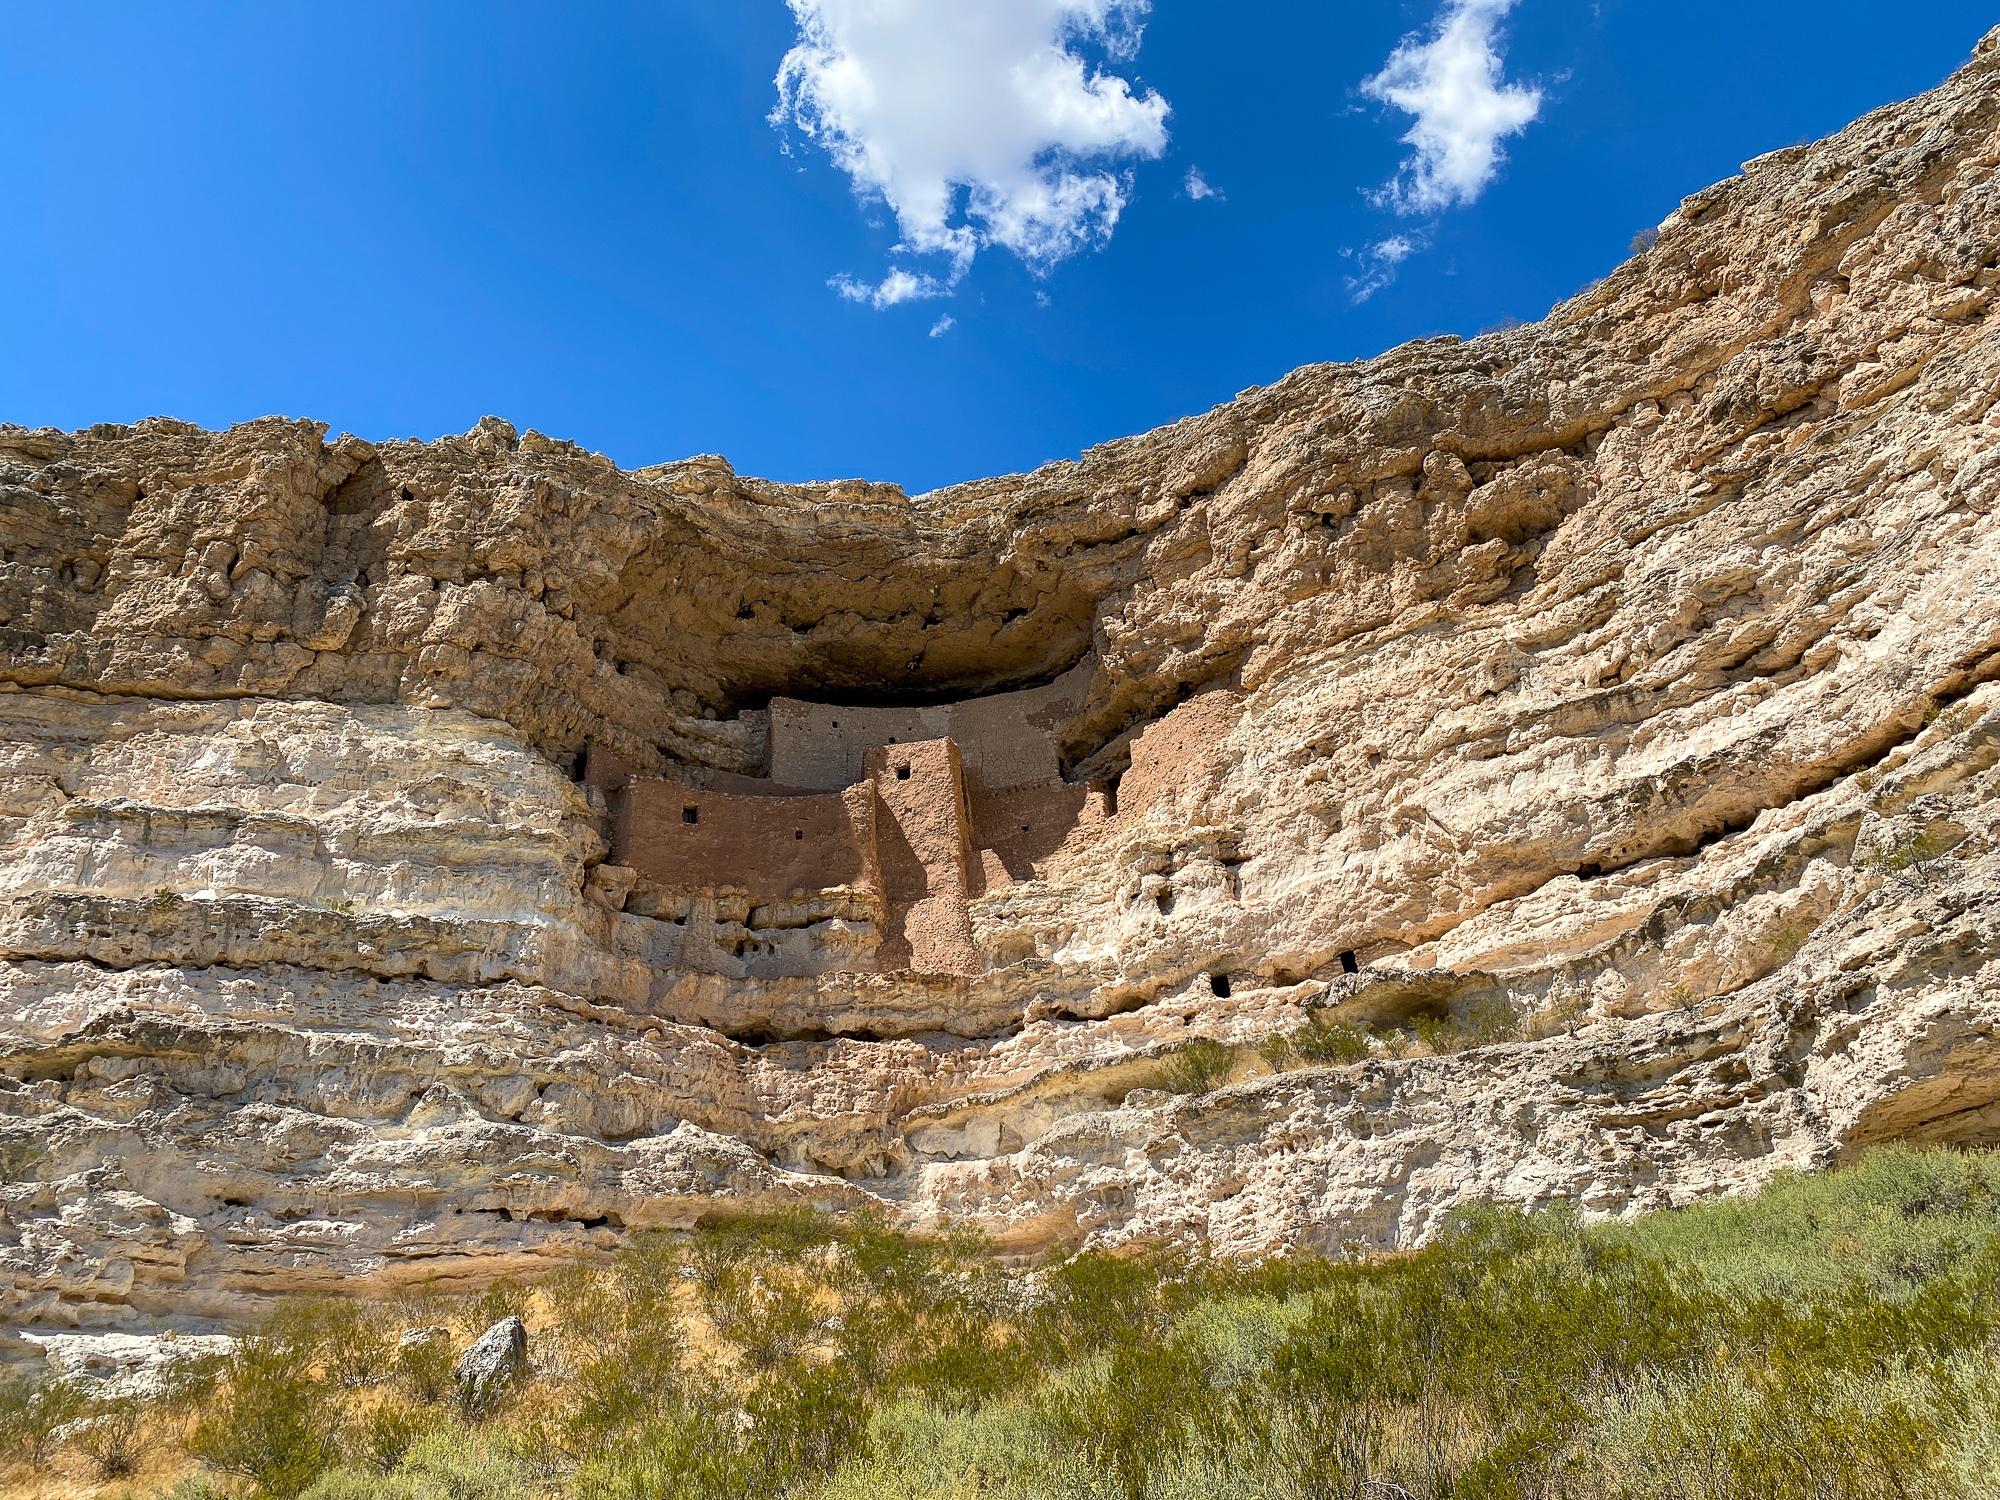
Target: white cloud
943,326
898,286
1452,83
976,121
1378,265
1199,187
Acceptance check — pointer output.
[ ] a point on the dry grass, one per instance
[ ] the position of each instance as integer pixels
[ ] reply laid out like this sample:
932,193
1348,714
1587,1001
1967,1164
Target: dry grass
1832,1337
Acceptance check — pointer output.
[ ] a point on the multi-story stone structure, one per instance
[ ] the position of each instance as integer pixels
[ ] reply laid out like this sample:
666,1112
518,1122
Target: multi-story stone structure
862,847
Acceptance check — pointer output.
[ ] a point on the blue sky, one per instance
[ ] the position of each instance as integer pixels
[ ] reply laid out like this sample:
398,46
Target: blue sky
397,217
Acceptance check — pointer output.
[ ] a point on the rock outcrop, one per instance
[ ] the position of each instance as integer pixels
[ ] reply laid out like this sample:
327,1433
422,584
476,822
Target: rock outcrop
1620,694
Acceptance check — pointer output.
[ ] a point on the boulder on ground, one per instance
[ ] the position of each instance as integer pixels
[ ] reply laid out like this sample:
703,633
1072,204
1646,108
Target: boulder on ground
491,1364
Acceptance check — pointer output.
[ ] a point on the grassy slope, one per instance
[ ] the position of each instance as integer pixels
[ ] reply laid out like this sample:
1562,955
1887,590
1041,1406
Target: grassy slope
1834,1336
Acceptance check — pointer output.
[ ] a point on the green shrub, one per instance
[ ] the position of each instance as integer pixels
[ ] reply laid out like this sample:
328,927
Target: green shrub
1481,1025
918,1451
107,1434
506,1298
443,1465
425,1365
1832,1337
390,1429
33,1408
1198,1067
346,1339
1893,1221
1794,1433
353,1484
1095,1300
1129,1414
271,1420
1323,1041
803,1425
679,1453
453,1464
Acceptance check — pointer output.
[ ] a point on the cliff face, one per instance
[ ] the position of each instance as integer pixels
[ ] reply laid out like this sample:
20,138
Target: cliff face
1622,685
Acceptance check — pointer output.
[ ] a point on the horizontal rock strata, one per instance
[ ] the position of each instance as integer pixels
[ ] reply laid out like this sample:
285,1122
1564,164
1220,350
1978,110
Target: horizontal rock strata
1621,692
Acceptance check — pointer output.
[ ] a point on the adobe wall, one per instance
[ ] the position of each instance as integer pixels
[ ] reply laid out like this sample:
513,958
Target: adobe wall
1178,751
924,847
603,769
1017,829
773,847
1009,739
1005,739
823,746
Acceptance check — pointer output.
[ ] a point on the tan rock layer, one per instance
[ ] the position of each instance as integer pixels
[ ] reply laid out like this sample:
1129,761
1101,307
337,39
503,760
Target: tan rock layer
1630,676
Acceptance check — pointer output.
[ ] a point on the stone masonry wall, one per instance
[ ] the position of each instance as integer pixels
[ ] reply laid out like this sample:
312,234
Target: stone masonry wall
925,843
773,848
1176,752
1016,829
1005,739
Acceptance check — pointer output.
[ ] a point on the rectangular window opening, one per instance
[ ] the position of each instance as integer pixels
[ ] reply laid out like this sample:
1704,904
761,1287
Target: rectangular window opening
690,815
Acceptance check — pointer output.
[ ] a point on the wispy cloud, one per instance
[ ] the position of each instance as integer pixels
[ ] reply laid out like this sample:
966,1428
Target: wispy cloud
943,326
978,122
1377,265
1199,187
1452,82
897,286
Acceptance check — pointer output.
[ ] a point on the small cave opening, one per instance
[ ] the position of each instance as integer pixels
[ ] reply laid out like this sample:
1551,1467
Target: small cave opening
1218,986
1589,871
798,833
1350,963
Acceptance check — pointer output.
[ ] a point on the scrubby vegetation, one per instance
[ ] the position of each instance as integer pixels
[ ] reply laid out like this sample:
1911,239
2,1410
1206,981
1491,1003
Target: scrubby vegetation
1321,1041
1833,1338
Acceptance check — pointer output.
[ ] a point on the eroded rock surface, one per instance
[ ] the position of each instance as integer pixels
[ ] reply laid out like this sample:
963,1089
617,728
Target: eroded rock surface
1627,684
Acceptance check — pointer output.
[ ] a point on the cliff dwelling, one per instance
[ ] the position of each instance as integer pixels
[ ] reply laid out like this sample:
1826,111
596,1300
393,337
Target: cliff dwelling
860,848
1558,767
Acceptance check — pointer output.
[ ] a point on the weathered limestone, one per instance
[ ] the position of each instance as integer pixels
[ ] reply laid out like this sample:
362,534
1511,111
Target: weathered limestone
1633,678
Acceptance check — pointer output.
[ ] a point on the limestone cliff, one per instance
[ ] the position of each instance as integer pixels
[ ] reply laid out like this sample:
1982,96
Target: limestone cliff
1623,685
